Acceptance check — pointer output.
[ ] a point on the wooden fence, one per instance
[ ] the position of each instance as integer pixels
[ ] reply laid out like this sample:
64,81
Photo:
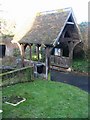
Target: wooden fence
16,76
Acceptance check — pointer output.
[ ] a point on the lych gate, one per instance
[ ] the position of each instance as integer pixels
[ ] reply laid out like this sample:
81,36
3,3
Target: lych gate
58,33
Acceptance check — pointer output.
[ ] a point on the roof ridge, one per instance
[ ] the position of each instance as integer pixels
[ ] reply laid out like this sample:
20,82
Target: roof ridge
54,11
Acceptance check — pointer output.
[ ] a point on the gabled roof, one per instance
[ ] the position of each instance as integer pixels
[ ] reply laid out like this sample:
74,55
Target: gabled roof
47,27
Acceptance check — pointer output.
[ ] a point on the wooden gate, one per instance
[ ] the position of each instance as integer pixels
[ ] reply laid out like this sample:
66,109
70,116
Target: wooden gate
57,62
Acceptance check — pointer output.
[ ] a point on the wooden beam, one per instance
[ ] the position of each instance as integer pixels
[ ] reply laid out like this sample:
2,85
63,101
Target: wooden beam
70,23
22,54
68,39
71,45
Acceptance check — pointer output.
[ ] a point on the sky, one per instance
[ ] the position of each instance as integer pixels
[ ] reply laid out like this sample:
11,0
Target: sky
23,11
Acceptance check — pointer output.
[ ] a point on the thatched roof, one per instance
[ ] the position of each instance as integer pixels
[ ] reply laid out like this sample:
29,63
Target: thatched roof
46,27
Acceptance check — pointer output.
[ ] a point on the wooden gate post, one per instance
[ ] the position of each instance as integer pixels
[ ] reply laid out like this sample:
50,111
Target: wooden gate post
22,54
47,67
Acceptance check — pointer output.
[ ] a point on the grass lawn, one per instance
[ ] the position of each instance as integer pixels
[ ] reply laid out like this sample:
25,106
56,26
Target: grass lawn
46,99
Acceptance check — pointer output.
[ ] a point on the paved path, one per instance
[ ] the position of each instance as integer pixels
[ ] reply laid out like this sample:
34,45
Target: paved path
73,79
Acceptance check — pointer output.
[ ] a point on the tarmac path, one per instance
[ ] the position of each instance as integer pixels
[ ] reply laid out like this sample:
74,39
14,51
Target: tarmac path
73,79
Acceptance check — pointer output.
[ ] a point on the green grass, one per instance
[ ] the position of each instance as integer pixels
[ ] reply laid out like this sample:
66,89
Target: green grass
46,99
80,65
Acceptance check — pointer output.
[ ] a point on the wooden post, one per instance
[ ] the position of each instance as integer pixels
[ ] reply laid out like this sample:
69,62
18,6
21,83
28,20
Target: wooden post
38,51
47,52
22,54
30,52
71,51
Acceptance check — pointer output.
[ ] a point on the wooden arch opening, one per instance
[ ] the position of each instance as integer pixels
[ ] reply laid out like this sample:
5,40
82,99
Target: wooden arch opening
27,51
78,51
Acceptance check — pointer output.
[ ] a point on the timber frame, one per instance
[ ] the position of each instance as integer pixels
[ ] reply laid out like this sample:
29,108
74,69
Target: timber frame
58,32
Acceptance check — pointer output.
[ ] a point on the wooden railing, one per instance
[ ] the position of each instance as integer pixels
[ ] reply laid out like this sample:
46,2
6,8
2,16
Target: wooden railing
60,61
24,74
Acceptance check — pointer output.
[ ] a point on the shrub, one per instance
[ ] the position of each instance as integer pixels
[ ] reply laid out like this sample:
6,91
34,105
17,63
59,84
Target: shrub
16,52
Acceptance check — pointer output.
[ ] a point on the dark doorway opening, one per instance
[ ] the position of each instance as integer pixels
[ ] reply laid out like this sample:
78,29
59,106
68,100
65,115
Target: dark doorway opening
2,51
